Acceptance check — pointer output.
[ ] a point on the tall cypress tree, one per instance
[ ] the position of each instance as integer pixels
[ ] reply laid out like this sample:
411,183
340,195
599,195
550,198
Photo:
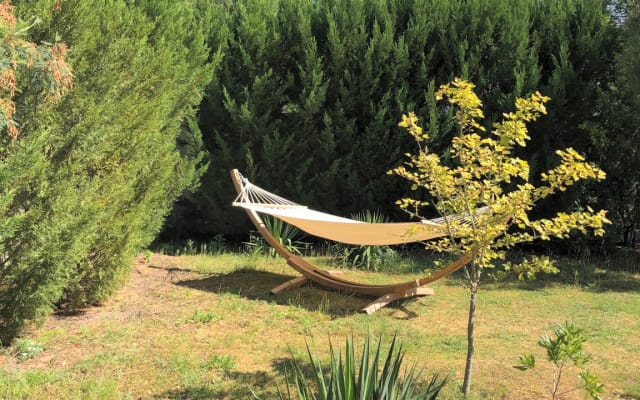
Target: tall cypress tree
27,71
115,153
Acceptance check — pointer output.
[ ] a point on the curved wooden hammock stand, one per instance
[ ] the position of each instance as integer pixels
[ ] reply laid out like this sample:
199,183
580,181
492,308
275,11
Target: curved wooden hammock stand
385,293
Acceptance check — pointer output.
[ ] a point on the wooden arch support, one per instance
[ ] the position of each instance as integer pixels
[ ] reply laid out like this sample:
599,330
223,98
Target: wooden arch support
385,293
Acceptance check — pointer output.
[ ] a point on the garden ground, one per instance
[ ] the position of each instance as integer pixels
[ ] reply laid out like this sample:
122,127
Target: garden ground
205,327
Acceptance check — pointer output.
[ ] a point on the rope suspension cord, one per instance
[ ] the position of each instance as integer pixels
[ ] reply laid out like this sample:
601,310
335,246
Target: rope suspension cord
253,194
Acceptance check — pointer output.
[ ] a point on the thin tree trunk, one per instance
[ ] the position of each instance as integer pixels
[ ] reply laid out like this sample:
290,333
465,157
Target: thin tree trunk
466,385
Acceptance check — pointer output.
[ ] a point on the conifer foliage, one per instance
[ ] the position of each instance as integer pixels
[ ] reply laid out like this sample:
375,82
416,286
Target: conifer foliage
93,177
40,71
307,91
616,133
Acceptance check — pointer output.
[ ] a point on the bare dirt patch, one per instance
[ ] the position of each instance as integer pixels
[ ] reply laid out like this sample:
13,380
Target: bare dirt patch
143,296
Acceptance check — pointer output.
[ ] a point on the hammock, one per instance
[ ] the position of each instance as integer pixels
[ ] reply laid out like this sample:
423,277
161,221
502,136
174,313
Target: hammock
254,200
340,229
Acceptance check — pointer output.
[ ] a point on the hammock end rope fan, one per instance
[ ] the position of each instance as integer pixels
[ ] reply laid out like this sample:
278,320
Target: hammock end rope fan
255,200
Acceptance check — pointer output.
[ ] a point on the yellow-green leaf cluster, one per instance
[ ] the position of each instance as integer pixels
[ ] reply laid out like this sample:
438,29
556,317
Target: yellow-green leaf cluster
528,268
485,175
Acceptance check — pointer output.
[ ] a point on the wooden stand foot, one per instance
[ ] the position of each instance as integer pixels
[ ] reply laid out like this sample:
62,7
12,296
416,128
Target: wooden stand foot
293,283
391,297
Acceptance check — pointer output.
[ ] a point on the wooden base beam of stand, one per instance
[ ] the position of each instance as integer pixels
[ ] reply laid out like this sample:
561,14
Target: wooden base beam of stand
391,297
293,283
296,282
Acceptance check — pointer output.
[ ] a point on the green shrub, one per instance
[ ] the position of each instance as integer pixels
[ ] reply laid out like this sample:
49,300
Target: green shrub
285,234
30,266
565,351
25,349
91,179
340,381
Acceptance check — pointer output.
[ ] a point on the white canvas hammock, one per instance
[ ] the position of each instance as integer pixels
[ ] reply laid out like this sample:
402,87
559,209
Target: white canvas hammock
336,228
255,200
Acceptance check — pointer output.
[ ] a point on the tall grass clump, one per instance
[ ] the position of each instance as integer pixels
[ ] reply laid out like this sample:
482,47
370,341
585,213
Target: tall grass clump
370,258
285,234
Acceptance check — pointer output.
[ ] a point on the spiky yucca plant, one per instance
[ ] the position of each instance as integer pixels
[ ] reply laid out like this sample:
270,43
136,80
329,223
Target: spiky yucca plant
339,381
287,235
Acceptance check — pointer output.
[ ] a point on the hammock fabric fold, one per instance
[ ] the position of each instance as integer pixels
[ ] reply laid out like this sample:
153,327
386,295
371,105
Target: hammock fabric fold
349,231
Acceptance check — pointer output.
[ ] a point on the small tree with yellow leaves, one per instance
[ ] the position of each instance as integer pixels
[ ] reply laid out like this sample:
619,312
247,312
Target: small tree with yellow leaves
491,187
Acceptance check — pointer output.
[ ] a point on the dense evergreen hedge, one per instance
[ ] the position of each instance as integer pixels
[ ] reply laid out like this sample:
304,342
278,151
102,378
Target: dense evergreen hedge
96,174
309,93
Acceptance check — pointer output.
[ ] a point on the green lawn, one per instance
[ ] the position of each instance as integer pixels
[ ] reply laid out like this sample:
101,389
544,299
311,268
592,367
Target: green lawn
205,327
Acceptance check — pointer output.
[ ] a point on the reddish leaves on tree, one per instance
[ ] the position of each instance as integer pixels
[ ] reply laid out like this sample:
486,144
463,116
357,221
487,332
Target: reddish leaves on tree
46,63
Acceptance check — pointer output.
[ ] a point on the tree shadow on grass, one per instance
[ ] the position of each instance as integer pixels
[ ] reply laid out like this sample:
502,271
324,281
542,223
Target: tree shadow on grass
612,281
595,280
256,285
190,393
